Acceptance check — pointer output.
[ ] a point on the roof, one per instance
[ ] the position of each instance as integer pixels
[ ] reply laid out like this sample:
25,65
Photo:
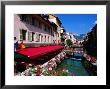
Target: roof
56,18
41,19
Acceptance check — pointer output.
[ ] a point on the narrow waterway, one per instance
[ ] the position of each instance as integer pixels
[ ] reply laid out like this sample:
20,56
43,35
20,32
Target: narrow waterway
74,65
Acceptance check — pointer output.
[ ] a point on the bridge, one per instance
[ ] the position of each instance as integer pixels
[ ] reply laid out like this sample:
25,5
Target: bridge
77,46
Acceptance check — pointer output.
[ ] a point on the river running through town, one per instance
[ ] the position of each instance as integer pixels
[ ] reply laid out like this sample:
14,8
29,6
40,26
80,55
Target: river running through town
74,65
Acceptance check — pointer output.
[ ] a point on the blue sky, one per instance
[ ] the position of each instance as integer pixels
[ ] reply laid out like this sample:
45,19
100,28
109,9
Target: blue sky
78,23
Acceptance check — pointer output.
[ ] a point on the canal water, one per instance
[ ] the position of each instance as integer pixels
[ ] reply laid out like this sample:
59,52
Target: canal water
74,66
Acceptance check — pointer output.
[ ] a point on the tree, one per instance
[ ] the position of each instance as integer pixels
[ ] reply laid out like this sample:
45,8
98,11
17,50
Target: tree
69,42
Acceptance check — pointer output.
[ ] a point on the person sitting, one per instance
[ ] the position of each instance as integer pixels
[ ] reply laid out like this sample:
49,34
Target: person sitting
21,45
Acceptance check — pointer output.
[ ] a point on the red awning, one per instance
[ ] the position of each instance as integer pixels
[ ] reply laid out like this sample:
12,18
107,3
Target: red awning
35,52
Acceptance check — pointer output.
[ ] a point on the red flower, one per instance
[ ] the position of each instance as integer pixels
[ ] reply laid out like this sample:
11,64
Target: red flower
38,73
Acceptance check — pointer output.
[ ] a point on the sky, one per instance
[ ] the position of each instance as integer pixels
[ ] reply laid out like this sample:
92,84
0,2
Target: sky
78,23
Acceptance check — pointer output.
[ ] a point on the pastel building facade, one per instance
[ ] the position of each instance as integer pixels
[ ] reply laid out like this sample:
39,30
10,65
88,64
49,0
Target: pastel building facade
60,29
33,29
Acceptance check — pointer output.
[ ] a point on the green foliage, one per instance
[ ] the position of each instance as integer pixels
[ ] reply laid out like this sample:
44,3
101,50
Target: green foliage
69,42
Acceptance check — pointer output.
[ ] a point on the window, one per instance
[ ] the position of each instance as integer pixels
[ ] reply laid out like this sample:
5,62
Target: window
30,36
21,37
58,34
22,34
70,37
39,24
37,37
42,26
45,27
48,38
33,21
41,38
45,38
23,17
33,36
58,41
50,31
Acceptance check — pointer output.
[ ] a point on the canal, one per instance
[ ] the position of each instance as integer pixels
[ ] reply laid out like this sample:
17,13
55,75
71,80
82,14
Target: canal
74,65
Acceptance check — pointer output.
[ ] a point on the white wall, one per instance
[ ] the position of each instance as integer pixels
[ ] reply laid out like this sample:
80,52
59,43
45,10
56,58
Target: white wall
29,28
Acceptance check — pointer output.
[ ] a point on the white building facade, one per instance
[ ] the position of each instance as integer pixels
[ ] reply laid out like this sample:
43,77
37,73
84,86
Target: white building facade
71,37
33,29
